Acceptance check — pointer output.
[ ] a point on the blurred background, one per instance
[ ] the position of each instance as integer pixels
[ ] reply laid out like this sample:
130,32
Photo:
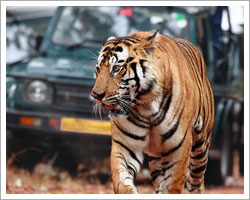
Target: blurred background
55,144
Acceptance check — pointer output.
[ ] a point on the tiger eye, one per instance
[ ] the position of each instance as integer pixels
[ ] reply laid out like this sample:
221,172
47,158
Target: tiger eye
116,68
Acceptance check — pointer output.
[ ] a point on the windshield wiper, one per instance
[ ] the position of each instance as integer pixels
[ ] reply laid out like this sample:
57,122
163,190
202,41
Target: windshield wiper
85,43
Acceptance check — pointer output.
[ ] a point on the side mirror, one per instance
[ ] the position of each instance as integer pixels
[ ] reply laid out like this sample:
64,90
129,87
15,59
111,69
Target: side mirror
38,39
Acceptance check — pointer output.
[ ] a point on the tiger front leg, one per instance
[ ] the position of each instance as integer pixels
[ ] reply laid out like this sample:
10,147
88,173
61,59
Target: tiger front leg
125,163
155,167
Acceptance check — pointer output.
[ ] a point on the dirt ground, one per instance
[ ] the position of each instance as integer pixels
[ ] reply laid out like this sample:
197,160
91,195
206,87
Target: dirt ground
48,180
45,177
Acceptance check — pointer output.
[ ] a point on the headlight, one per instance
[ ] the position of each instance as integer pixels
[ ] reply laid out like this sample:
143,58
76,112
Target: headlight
10,87
38,92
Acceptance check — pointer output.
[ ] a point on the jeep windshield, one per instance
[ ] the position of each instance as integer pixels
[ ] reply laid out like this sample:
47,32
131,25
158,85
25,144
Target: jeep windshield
83,26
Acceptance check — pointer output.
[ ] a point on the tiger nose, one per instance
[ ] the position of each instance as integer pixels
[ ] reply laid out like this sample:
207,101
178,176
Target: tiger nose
97,96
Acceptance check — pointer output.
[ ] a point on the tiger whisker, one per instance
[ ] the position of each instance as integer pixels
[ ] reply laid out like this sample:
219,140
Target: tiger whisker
95,56
100,112
138,101
125,104
95,107
92,61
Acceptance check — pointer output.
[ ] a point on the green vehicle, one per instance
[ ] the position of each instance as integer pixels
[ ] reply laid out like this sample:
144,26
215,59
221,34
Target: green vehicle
49,94
50,91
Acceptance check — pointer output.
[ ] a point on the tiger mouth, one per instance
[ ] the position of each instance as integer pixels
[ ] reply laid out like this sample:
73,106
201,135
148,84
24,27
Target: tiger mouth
115,110
111,107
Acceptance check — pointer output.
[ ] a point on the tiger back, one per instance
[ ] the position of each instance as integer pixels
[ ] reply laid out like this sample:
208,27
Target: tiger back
160,103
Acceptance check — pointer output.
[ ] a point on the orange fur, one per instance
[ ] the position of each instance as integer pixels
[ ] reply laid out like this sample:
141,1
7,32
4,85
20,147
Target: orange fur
169,116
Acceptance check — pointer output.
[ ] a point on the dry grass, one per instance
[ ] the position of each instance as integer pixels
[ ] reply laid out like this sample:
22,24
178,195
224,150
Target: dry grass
47,179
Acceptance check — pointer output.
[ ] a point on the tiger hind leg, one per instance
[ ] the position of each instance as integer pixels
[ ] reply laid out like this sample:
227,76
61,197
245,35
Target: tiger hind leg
198,165
166,175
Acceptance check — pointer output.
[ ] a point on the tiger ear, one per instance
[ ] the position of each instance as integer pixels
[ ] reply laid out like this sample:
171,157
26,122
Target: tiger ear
151,41
110,38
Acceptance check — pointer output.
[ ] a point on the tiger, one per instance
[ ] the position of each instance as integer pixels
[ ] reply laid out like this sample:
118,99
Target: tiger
161,105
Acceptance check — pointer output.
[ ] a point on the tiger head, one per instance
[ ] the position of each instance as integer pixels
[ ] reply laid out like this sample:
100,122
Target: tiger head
124,77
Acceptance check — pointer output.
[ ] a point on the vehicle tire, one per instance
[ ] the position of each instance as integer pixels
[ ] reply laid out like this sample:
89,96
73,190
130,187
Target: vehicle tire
213,173
9,139
241,139
227,141
226,162
221,166
241,152
218,169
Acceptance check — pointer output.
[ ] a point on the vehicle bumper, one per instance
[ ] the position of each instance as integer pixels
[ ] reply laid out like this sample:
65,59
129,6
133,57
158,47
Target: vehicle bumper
49,123
54,123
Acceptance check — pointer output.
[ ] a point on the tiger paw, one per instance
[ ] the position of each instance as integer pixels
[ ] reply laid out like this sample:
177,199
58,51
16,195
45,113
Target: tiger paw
126,189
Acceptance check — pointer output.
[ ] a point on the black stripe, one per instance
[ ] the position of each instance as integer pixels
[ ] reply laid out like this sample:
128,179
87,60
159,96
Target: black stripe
168,134
116,57
129,59
197,131
194,185
120,61
152,158
197,144
175,148
165,163
166,178
128,165
193,189
130,40
133,136
106,49
116,43
169,167
143,67
155,174
127,43
159,119
136,78
199,169
138,117
119,49
137,124
125,82
151,36
193,176
204,161
194,70
133,170
124,163
163,100
201,155
131,153
146,90
133,166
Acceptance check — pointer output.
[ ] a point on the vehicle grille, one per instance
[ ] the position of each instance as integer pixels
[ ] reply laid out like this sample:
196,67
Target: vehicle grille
73,97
